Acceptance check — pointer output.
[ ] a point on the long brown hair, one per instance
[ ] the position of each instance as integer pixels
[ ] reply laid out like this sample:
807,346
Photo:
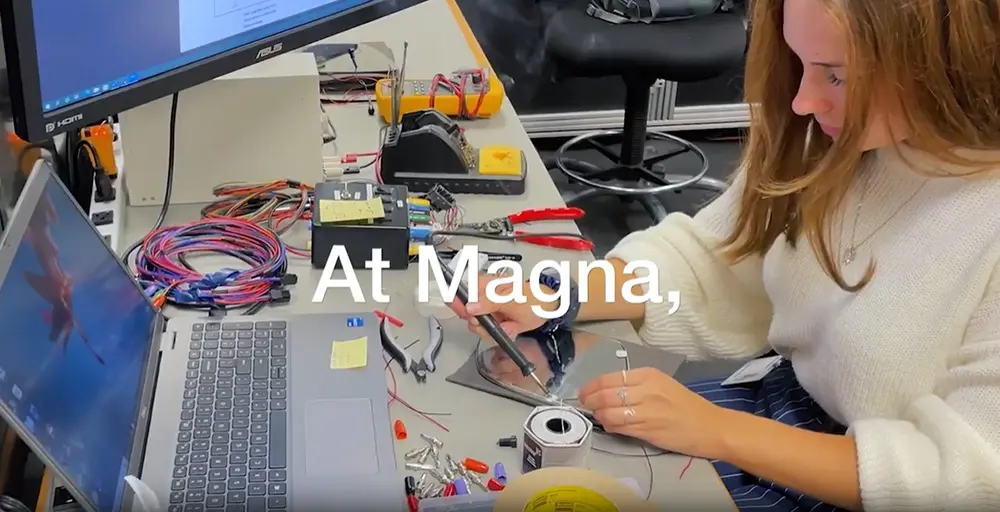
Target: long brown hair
938,60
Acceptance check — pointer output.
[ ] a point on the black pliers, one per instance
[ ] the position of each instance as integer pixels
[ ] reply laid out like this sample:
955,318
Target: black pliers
426,364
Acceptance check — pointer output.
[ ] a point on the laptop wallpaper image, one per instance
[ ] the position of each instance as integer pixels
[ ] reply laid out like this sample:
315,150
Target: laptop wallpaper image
75,334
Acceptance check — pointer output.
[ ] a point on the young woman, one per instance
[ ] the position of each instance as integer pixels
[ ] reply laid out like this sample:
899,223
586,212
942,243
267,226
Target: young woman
861,242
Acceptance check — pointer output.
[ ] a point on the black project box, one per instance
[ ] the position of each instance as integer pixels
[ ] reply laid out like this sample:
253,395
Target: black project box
391,233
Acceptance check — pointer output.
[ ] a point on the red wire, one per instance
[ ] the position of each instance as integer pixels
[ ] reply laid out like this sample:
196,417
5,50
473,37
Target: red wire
394,397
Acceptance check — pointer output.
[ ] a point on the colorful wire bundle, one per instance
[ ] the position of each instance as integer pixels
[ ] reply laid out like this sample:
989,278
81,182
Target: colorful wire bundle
276,204
258,202
163,269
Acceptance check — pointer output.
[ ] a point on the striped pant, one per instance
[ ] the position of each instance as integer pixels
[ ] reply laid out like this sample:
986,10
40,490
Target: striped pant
777,396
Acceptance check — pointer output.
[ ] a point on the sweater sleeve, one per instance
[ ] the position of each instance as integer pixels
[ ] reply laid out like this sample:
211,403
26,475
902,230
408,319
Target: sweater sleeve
945,455
724,311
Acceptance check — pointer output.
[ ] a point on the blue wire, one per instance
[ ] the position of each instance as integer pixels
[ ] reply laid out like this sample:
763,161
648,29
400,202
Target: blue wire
239,239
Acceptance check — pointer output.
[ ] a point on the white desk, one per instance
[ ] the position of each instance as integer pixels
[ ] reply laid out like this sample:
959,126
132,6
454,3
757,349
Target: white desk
477,420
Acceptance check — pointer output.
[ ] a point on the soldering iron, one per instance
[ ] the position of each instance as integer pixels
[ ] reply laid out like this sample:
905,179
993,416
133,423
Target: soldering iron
492,327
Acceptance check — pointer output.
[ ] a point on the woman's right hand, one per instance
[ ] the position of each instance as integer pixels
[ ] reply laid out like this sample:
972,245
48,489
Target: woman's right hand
514,317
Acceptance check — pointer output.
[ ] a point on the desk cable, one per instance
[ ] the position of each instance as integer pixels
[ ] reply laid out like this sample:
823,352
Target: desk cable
168,187
277,205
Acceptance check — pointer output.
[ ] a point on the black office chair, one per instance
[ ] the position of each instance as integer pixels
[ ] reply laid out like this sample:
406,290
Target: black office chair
678,51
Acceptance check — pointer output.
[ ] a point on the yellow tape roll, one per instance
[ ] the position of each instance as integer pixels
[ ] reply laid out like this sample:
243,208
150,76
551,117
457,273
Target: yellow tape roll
568,489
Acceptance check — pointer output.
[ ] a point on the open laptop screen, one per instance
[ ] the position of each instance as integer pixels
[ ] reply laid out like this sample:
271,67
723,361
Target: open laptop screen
74,340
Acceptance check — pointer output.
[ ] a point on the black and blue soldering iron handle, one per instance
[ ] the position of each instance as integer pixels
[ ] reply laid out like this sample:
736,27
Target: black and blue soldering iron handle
492,326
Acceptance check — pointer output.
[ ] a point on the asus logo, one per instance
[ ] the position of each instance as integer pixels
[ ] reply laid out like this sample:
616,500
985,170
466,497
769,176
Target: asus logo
51,127
270,50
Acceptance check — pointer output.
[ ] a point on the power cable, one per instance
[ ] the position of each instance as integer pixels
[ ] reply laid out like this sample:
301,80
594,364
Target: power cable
168,188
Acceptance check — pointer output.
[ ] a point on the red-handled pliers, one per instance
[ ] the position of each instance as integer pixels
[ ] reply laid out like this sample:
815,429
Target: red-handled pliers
504,226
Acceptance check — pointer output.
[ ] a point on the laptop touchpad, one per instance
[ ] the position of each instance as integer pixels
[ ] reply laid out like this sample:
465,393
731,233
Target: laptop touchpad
340,438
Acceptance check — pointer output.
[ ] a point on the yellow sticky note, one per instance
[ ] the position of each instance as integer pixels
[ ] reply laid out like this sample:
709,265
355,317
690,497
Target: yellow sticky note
346,210
349,354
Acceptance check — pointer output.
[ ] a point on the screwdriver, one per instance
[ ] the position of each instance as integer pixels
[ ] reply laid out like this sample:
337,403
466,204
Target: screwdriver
492,327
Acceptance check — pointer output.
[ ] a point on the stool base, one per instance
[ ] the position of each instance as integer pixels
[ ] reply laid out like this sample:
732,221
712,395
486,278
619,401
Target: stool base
639,181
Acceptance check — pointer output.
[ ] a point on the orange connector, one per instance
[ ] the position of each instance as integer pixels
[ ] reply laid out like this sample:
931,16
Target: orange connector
399,429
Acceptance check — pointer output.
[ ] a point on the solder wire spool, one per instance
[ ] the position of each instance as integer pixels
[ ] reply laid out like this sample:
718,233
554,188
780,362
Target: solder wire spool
555,436
559,489
558,426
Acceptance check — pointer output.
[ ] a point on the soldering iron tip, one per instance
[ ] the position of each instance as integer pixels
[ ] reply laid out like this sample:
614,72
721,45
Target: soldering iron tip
538,381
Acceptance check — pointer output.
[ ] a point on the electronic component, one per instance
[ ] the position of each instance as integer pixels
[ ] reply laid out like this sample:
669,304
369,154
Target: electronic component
89,167
465,94
427,149
399,429
507,442
332,225
477,466
410,487
440,199
499,471
101,139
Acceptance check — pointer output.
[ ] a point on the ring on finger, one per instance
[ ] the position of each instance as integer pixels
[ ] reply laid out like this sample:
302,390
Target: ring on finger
623,395
624,379
629,414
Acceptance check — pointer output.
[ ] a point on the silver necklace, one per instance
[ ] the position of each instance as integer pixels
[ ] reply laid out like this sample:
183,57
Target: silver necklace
851,251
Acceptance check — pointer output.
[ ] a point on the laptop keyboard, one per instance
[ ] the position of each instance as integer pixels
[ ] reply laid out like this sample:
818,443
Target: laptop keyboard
232,443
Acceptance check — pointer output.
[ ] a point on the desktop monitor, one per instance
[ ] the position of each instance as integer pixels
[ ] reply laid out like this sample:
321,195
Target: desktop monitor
71,64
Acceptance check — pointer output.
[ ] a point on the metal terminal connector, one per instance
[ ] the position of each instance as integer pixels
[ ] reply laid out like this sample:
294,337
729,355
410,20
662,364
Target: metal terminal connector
455,466
424,455
413,466
433,441
416,452
469,475
439,476
474,478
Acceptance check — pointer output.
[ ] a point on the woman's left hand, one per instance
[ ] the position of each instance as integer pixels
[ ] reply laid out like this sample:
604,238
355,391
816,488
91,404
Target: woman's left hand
650,405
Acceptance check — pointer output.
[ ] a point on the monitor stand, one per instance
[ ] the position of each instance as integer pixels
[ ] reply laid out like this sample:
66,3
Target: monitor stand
261,123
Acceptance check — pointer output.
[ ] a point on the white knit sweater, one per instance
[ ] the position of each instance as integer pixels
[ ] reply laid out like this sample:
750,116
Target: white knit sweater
911,363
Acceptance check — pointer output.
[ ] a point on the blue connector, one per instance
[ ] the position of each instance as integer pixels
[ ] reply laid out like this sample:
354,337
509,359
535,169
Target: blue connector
500,473
421,233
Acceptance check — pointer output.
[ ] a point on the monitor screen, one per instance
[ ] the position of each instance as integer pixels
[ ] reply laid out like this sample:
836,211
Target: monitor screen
134,40
75,340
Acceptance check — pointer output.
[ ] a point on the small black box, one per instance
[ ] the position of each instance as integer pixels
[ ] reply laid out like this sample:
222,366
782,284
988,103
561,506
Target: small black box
391,234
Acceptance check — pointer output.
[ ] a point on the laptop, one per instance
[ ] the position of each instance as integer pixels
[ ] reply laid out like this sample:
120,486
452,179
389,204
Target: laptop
236,413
